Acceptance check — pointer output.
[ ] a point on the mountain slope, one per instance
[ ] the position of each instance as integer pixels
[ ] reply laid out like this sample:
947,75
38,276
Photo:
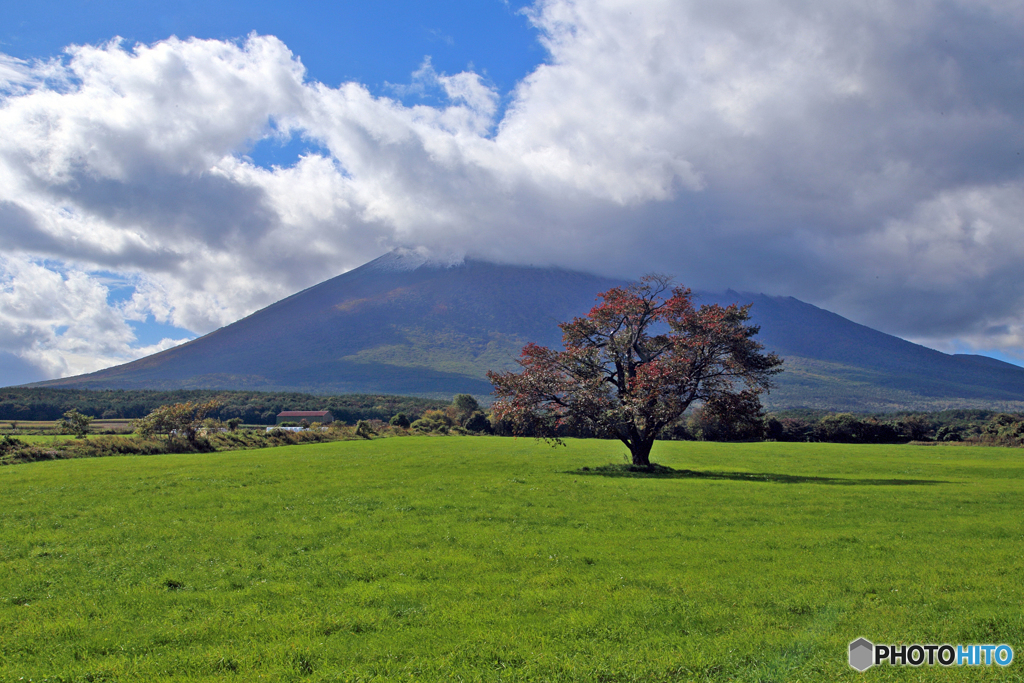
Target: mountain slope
402,325
395,325
832,362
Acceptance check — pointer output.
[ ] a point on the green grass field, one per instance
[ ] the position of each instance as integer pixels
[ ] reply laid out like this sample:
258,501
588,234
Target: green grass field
490,559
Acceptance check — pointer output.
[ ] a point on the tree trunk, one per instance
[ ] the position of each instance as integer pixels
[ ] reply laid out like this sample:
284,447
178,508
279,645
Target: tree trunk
641,451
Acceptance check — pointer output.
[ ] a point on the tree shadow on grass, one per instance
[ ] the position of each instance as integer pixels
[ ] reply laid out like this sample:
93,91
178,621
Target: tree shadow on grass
655,471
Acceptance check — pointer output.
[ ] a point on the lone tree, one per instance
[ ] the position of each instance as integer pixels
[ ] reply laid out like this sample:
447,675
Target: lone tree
75,423
463,406
633,365
180,419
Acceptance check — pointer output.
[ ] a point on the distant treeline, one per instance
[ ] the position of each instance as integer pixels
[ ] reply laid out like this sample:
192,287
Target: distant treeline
982,427
253,407
987,427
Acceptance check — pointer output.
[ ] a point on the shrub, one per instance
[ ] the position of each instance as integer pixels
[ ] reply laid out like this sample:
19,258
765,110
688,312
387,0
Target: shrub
676,431
9,443
839,428
433,421
212,425
795,429
364,430
731,417
848,428
477,422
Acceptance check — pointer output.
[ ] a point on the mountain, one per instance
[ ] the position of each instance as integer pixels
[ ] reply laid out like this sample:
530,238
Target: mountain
834,363
404,325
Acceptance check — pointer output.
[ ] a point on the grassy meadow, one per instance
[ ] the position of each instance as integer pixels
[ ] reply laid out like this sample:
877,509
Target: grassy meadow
493,559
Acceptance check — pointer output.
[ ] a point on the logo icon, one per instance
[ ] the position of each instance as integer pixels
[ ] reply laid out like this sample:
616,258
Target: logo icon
862,654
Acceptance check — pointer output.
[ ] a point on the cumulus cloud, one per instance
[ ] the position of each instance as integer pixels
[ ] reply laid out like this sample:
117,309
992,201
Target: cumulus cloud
866,158
61,323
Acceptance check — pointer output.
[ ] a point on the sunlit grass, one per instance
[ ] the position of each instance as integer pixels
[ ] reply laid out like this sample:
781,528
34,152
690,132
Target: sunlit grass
499,559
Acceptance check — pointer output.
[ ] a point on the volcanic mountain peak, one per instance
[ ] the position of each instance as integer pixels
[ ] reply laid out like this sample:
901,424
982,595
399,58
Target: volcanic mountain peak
402,259
412,322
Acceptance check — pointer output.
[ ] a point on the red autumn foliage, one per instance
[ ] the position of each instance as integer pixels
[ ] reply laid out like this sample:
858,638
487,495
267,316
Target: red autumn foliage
633,365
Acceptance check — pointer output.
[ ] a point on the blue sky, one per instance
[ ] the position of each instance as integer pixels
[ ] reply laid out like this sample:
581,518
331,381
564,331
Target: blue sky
371,42
378,44
866,158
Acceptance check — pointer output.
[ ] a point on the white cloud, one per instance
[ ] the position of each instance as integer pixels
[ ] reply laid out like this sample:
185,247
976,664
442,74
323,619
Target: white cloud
863,157
15,74
62,323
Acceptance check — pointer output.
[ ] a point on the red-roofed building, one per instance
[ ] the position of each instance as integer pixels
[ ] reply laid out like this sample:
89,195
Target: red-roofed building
310,416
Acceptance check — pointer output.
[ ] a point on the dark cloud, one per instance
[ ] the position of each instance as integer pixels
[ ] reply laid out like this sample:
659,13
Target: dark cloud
21,232
19,228
15,371
208,209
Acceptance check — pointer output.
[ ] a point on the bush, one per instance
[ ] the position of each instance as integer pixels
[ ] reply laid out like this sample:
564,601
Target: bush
676,431
9,444
477,422
500,427
212,425
364,430
732,417
400,420
840,428
1001,430
433,422
792,429
848,428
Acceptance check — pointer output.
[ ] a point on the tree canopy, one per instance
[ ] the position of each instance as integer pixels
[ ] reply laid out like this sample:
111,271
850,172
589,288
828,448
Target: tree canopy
74,422
635,364
180,419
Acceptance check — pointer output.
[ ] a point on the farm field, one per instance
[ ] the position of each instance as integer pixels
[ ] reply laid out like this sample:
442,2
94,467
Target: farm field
49,427
496,559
